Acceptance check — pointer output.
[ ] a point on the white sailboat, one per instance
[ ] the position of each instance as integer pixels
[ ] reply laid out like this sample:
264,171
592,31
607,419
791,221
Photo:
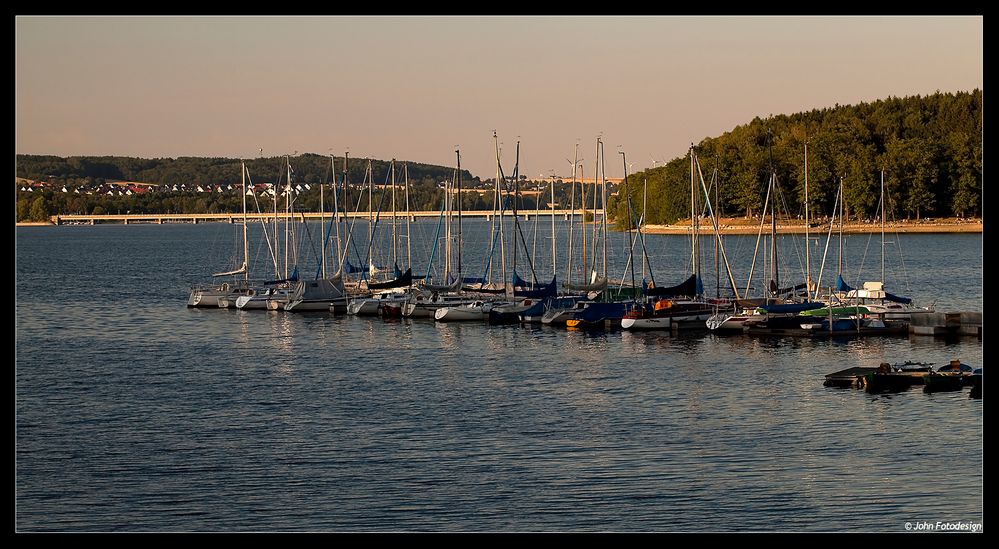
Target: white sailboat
221,295
323,293
424,302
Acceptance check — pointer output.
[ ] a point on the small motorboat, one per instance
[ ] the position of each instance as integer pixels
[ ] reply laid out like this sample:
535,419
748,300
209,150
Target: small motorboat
951,377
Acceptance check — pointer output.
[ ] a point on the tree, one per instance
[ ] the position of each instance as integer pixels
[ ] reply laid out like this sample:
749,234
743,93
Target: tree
39,210
23,208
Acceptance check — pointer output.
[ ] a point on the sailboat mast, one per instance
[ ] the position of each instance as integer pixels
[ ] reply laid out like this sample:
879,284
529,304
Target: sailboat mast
714,183
371,221
287,210
808,263
409,218
346,205
322,228
645,199
882,226
572,215
554,266
246,242
603,200
458,153
718,240
693,242
447,228
500,187
395,237
631,240
336,209
277,247
596,230
516,198
773,235
840,273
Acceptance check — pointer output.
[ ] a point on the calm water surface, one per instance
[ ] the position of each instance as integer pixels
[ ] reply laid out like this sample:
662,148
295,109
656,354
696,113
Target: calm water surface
134,413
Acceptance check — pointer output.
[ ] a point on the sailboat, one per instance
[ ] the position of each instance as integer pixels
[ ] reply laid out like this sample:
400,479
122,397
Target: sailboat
220,295
276,290
392,292
867,310
780,307
594,284
433,295
682,305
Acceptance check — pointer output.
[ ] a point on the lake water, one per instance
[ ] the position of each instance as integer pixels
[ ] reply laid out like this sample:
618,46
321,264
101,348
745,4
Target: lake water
134,413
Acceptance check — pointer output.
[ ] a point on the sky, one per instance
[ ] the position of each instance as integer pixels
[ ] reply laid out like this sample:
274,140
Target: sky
416,87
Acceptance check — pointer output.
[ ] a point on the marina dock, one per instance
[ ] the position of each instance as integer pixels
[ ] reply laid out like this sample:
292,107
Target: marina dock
946,324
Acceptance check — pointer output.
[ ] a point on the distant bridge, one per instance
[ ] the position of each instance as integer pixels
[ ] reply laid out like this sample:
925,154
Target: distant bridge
160,219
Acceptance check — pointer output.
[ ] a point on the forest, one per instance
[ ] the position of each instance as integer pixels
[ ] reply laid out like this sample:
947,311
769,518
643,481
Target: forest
930,149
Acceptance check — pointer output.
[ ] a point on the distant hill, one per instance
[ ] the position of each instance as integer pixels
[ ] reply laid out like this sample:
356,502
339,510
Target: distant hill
308,168
930,149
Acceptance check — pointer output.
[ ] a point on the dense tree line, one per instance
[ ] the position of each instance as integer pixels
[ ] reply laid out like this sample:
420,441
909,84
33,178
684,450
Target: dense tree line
930,149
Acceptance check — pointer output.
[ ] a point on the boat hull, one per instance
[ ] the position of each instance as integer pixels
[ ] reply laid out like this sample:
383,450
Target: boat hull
448,314
663,323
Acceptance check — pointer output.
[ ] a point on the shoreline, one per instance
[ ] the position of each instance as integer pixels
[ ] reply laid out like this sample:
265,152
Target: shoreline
727,226
853,228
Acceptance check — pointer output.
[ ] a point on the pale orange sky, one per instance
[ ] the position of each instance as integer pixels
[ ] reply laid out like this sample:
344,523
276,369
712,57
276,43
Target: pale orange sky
414,87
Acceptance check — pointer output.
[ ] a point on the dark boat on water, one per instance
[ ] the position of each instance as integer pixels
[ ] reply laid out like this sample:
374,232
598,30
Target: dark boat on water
895,379
952,377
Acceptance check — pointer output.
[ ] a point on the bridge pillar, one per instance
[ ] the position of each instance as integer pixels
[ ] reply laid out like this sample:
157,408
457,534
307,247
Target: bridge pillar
126,221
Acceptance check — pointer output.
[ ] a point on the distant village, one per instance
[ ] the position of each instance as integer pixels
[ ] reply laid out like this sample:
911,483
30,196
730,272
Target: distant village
263,190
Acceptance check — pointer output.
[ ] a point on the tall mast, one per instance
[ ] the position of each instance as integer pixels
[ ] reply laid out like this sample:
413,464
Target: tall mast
596,195
287,211
718,240
631,239
277,247
447,229
516,197
572,215
773,234
645,199
291,218
409,239
840,273
808,264
554,266
458,153
246,242
395,238
500,187
603,199
346,205
322,227
582,220
371,220
715,183
693,231
336,206
883,226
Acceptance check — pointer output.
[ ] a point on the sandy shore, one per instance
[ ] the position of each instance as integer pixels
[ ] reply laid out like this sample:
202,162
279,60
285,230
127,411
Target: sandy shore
741,225
751,226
